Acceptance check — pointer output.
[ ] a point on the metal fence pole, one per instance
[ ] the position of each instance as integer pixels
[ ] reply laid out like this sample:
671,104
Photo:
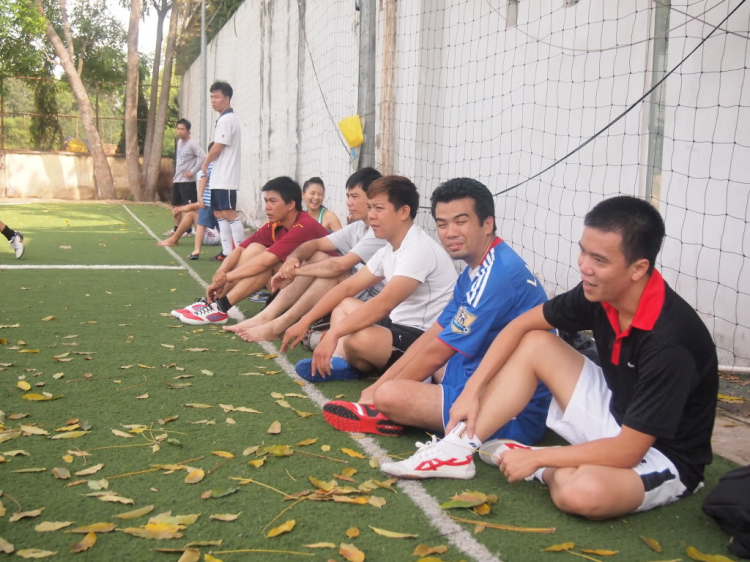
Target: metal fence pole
656,101
366,91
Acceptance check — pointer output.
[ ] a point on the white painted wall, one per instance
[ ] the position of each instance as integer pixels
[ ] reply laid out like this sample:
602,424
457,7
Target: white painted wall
474,98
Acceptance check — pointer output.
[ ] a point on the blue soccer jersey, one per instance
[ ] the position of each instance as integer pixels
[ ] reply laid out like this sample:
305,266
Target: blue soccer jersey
502,288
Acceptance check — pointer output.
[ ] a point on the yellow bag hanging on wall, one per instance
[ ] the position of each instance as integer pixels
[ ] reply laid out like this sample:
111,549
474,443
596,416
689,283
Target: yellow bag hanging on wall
351,128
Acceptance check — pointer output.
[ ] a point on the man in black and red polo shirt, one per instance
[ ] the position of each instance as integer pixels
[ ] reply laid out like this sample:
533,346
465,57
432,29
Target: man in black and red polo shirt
640,426
251,264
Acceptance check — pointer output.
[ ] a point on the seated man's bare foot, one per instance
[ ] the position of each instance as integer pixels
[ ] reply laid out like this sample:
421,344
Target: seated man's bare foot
265,332
256,320
167,242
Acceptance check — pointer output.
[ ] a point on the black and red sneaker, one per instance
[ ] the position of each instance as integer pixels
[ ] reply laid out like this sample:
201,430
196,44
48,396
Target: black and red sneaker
219,257
359,418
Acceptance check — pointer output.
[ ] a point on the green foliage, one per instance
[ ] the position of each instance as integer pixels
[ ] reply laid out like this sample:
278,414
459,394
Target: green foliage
218,13
45,130
21,37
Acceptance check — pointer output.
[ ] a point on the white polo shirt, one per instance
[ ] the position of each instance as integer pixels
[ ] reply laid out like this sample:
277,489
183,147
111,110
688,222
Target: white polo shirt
423,259
226,172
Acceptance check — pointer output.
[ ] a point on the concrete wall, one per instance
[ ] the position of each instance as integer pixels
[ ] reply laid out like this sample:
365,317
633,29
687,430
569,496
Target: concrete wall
66,175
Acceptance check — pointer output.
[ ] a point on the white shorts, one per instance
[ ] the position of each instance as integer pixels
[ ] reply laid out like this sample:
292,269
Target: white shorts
588,418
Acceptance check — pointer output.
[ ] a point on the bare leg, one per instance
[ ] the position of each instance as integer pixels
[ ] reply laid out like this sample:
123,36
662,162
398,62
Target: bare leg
184,226
411,403
286,297
274,330
200,230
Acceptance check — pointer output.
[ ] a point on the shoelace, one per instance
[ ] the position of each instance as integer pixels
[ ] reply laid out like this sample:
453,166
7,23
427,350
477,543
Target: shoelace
208,309
424,448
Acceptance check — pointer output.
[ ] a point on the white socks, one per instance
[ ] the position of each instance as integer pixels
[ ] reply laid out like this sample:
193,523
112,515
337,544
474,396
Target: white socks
238,231
457,443
225,233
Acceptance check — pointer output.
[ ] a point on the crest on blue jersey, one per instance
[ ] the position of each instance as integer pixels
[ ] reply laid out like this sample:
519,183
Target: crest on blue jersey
462,321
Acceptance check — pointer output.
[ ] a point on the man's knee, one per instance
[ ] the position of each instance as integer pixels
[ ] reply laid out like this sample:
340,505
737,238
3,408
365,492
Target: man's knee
317,256
583,494
388,398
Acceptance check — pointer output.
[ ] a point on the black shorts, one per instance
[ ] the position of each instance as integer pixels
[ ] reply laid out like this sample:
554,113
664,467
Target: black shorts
224,199
184,193
403,337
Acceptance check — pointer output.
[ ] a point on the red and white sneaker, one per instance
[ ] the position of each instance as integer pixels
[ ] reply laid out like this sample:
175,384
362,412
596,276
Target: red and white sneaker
209,314
192,308
359,418
490,452
430,461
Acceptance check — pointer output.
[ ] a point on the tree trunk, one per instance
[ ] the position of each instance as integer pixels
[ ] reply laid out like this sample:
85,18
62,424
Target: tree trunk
161,12
131,105
152,172
102,174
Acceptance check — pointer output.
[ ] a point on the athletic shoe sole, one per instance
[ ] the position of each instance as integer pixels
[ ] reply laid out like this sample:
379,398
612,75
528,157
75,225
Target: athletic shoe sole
204,320
344,419
304,369
465,471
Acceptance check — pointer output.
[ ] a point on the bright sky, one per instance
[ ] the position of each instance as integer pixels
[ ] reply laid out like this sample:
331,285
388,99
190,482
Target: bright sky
146,31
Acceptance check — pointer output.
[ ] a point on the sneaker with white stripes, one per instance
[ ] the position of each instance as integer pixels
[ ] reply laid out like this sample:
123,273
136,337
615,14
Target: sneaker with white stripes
191,308
490,453
209,314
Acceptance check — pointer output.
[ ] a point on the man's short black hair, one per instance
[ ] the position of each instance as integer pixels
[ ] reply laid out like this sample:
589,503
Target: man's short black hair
224,87
400,191
638,222
363,178
287,188
466,188
313,180
185,122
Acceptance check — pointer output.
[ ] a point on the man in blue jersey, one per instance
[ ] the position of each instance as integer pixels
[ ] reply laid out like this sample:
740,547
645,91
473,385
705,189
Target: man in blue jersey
494,288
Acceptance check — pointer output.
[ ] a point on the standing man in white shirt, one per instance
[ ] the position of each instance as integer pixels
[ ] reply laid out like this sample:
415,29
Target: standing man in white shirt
188,159
225,176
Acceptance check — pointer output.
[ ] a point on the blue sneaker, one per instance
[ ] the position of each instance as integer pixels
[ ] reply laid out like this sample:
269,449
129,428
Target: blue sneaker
340,371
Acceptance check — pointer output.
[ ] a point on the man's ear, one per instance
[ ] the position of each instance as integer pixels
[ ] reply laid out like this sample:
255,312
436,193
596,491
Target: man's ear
639,268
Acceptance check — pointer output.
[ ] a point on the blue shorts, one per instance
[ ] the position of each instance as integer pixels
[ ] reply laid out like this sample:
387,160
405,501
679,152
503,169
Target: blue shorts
224,199
206,218
528,427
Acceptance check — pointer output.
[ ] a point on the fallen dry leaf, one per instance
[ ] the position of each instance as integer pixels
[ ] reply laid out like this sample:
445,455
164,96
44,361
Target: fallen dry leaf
47,526
121,433
351,553
197,406
281,529
352,532
61,473
69,435
696,554
34,397
35,553
653,544
23,385
559,547
275,428
6,547
88,471
225,516
306,442
320,545
250,450
142,396
194,476
87,542
48,318
190,555
134,514
33,430
599,551
25,470
392,534
25,514
353,453
155,534
95,528
257,463
424,550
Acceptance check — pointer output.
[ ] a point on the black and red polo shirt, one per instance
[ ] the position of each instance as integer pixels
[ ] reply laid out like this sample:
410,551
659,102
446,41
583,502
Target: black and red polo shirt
662,370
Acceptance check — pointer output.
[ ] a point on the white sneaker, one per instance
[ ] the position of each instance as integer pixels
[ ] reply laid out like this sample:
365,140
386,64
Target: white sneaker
17,244
168,233
490,452
191,308
209,314
431,462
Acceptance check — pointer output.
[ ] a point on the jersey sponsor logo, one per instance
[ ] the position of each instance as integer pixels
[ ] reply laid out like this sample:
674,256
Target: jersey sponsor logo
462,321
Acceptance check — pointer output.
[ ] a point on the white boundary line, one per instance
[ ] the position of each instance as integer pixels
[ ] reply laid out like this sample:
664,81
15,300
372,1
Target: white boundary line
457,535
36,266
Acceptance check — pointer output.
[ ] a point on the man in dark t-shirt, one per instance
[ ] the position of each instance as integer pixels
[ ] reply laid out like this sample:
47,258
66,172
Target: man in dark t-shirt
640,426
251,264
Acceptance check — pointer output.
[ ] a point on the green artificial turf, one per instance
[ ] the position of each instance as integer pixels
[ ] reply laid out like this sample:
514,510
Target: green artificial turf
121,318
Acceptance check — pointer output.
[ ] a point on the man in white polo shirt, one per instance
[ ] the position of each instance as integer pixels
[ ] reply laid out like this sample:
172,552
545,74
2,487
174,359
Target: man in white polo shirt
419,275
225,176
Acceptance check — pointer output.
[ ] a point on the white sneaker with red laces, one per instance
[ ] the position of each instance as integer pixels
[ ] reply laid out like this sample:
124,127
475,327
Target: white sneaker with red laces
209,314
435,459
491,450
192,308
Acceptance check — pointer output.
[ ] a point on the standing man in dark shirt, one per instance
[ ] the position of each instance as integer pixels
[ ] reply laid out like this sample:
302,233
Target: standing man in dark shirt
640,426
